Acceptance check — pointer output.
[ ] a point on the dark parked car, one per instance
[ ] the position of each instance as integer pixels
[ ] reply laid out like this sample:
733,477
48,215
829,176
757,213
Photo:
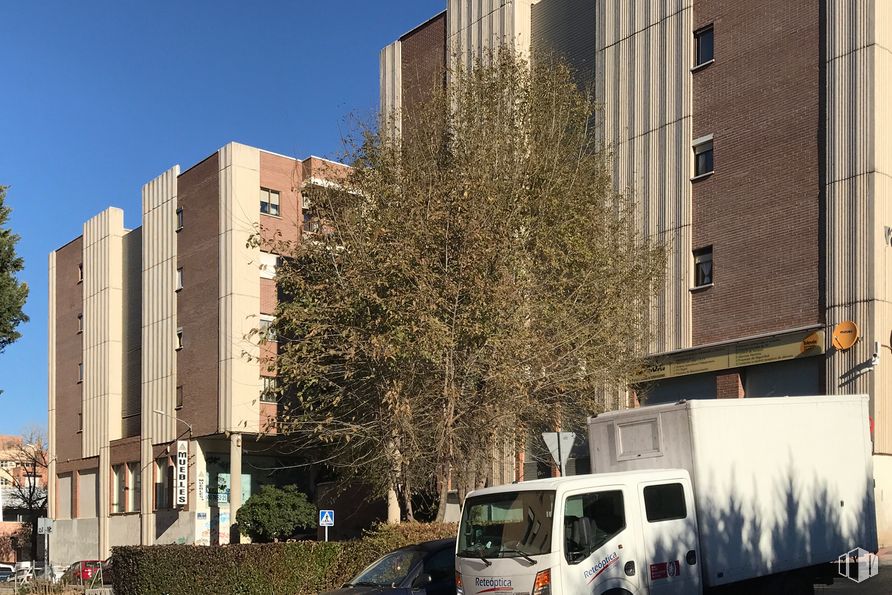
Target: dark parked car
427,567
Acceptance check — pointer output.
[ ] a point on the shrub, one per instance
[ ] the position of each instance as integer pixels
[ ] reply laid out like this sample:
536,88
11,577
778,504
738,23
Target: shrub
275,514
295,568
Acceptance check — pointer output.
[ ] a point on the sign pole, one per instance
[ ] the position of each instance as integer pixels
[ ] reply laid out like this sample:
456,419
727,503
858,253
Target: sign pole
326,532
560,460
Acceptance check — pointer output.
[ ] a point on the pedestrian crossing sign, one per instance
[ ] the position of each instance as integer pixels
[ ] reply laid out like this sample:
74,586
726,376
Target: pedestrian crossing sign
326,518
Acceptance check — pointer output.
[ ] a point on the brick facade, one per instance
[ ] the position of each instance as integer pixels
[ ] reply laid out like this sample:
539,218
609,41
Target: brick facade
198,253
423,62
69,350
760,211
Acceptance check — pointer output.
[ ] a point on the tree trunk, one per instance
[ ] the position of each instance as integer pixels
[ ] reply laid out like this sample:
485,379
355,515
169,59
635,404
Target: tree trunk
406,494
442,492
393,507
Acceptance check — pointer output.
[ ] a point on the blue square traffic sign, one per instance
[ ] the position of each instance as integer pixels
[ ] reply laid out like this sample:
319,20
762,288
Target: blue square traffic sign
326,518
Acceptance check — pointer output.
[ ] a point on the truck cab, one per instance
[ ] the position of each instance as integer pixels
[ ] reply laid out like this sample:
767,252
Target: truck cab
613,533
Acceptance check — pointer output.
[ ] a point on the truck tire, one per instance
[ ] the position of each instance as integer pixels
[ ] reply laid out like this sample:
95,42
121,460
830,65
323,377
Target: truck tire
794,583
617,592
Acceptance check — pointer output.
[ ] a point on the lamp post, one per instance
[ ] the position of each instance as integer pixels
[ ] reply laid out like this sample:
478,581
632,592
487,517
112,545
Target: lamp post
165,414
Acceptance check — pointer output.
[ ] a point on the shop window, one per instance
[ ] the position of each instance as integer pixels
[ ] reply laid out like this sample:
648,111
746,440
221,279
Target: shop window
163,484
119,489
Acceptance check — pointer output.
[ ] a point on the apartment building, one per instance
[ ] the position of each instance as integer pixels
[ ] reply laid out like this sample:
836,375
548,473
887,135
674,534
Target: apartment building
754,139
160,426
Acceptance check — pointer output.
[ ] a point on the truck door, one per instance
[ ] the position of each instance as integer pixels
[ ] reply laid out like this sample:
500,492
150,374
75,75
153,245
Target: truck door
599,550
671,564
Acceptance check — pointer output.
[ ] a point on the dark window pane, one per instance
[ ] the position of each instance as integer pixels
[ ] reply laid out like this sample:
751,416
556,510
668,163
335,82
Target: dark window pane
590,521
703,159
664,502
441,566
704,46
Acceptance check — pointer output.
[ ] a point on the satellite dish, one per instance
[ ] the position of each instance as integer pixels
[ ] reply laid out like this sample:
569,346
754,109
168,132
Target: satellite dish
845,334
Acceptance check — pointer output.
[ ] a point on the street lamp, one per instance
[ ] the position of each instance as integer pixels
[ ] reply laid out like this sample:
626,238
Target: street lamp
188,425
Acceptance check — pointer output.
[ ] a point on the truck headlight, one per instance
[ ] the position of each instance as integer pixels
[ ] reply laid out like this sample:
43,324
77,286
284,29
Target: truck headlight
542,584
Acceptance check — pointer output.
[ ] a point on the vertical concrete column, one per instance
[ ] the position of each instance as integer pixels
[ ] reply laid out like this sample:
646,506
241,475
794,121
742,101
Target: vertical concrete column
147,496
103,498
51,392
235,484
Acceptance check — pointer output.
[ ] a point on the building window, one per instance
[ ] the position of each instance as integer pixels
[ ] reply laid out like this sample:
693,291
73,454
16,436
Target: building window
703,46
267,328
703,157
179,219
134,487
163,484
80,323
703,267
269,202
179,340
179,278
179,396
80,422
270,384
80,372
310,222
119,489
80,272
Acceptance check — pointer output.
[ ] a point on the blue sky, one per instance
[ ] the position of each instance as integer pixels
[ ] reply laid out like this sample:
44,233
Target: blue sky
100,97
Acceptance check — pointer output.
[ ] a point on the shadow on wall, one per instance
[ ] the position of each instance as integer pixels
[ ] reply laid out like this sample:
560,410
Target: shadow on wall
791,524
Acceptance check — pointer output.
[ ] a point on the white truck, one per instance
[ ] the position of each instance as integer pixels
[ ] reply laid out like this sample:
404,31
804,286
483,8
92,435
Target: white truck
704,496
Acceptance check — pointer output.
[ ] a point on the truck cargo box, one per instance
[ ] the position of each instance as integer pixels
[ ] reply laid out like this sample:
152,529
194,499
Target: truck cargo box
779,483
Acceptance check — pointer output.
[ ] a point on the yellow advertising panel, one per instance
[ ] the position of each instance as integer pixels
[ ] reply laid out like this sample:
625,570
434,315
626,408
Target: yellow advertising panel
750,353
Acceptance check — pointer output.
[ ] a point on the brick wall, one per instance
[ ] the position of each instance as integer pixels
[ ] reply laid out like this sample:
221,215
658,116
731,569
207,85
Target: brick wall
198,252
729,385
423,62
69,350
761,209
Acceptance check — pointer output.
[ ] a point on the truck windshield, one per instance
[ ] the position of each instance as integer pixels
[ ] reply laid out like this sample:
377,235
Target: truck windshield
507,525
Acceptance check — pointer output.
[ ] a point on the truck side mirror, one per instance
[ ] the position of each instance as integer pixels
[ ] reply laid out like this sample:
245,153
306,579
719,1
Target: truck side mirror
422,580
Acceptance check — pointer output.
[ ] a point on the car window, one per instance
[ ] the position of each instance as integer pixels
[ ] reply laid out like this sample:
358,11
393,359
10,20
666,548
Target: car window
390,569
441,566
590,521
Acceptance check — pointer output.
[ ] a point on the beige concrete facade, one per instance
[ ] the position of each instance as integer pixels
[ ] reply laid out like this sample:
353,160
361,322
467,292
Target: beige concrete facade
239,289
647,122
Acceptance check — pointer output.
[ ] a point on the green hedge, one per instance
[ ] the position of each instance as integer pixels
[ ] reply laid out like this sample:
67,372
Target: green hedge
268,568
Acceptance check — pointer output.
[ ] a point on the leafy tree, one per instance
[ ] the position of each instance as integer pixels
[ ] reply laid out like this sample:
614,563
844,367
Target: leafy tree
474,279
28,485
274,514
12,292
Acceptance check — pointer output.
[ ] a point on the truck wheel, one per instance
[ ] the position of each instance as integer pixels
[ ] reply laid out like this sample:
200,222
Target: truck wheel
617,592
797,584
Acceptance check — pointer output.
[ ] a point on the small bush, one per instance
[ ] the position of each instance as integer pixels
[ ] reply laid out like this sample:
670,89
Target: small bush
276,514
294,568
